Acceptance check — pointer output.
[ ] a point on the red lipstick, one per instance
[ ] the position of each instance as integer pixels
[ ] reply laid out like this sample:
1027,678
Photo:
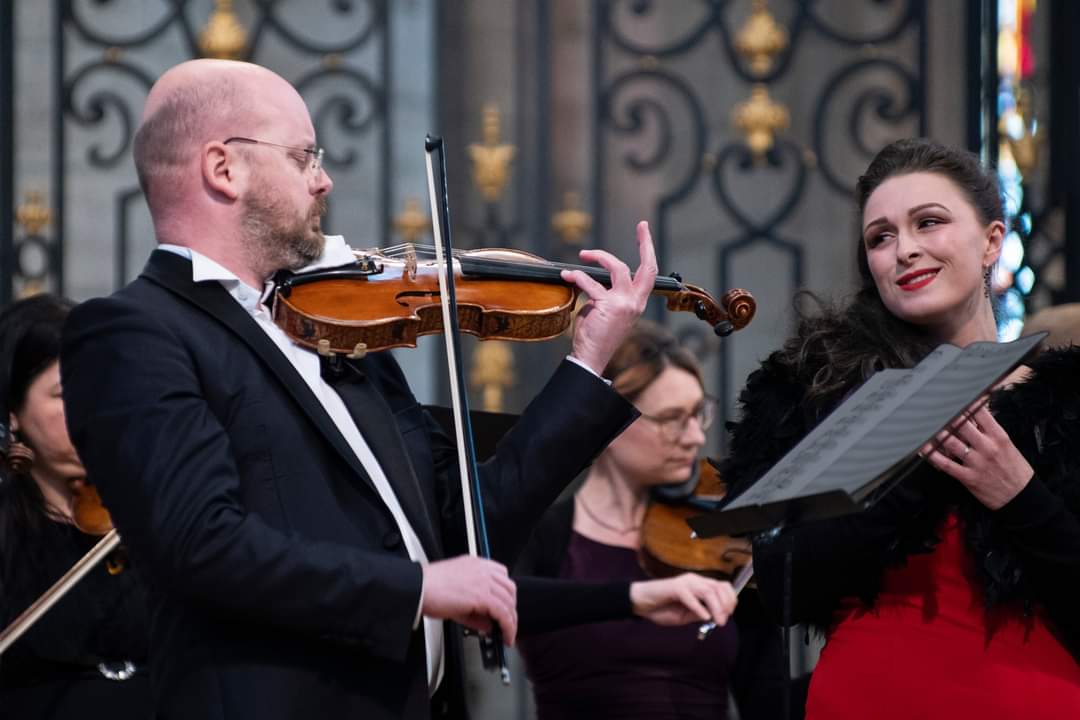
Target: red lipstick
918,279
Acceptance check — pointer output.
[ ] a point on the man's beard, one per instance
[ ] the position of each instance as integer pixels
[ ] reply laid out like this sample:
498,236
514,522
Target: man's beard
277,242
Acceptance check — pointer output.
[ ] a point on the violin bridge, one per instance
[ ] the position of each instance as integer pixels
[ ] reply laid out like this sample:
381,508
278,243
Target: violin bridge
410,262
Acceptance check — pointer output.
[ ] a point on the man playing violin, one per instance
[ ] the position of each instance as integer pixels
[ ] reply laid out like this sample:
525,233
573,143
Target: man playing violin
300,530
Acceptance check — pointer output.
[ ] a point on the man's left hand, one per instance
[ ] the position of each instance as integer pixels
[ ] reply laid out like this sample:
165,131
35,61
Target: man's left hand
606,319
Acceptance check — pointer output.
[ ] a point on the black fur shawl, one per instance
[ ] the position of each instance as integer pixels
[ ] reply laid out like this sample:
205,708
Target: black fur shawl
1042,416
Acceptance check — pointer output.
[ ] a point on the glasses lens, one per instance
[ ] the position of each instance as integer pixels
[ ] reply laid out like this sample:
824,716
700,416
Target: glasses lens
707,413
316,163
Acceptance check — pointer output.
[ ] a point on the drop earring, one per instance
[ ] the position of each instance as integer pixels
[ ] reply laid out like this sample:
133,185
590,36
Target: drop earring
17,456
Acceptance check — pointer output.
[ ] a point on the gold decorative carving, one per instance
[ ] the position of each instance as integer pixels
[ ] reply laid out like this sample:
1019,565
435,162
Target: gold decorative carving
223,37
411,224
33,215
29,289
572,223
491,160
761,39
759,119
492,372
332,61
113,54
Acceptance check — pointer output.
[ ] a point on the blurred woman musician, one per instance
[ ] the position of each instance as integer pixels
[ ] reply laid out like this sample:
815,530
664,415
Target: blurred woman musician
584,599
85,658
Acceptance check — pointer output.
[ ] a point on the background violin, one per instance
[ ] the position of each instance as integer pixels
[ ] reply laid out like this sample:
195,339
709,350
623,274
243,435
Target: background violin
668,546
391,296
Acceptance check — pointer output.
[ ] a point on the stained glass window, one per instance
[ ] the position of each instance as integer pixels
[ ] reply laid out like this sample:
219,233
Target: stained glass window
1013,278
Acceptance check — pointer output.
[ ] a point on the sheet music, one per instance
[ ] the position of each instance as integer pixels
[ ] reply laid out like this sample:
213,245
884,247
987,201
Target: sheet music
885,421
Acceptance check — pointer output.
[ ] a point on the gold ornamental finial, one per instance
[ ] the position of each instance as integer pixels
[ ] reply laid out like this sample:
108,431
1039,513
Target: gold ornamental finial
411,224
33,215
493,372
491,160
223,37
761,39
759,118
571,223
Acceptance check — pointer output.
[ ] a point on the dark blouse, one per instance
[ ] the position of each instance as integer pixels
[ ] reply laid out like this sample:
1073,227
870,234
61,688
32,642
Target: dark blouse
559,591
627,668
59,668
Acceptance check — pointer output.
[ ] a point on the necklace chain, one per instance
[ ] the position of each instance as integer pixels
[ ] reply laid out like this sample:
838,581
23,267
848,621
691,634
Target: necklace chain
603,523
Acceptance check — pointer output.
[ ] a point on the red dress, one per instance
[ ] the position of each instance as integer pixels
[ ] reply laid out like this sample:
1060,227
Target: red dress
923,651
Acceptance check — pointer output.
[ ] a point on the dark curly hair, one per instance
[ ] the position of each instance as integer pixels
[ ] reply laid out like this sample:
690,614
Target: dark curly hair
837,346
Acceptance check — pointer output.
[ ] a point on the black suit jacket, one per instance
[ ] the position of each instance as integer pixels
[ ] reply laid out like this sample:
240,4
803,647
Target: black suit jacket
280,586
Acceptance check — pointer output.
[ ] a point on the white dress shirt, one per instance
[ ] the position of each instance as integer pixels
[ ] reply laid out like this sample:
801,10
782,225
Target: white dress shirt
306,362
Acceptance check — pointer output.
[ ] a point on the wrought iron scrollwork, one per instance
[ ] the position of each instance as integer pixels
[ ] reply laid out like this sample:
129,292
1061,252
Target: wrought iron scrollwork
342,77
678,136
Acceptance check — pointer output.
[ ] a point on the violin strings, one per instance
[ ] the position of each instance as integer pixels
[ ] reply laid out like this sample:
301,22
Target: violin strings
541,270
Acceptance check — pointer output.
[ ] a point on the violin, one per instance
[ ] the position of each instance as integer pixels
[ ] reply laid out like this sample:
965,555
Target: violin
668,547
390,297
89,516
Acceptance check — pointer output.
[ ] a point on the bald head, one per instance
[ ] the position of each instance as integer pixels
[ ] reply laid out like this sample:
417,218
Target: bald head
193,103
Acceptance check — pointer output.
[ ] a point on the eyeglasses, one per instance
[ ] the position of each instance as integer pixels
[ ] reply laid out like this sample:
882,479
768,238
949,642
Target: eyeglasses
316,153
672,427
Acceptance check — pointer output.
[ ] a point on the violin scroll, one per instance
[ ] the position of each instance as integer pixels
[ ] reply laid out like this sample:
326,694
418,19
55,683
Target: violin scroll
734,311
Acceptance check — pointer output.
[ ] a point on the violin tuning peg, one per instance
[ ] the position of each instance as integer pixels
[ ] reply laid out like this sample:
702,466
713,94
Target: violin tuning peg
324,348
358,352
677,277
723,328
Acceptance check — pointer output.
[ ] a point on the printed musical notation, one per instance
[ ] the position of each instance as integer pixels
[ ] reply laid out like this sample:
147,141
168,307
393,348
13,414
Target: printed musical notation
870,441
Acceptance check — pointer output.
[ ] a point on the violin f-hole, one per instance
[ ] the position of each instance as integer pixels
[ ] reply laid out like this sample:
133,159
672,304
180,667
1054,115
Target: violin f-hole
415,294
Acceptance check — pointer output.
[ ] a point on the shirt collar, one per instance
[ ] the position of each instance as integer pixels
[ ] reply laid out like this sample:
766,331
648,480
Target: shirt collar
335,253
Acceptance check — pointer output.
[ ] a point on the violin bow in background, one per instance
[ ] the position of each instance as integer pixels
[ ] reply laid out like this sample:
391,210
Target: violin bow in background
60,588
738,583
492,651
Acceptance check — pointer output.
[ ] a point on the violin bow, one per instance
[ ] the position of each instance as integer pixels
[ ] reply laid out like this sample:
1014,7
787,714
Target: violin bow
58,590
492,651
738,583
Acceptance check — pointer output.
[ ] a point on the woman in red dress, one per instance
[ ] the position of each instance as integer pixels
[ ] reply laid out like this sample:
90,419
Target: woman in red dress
958,594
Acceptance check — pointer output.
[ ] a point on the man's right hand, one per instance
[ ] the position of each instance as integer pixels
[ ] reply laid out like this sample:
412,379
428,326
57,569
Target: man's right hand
473,592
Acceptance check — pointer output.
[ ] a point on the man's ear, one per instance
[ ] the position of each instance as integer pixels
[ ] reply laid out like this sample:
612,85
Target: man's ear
220,169
13,422
995,239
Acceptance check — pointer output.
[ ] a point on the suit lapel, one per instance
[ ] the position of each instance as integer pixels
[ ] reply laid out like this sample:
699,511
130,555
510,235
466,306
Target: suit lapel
174,273
377,425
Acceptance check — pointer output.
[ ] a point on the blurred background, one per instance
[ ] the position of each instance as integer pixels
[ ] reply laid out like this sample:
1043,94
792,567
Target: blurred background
737,128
